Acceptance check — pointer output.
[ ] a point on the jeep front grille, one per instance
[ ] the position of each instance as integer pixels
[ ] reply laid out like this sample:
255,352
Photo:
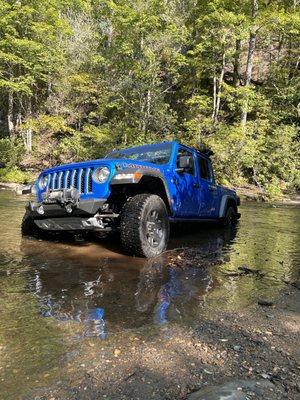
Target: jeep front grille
78,178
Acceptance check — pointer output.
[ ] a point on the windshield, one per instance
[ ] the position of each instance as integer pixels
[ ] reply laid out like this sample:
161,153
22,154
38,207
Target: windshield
156,154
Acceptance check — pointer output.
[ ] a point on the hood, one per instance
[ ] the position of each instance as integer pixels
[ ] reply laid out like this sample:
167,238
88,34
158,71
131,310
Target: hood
109,162
226,190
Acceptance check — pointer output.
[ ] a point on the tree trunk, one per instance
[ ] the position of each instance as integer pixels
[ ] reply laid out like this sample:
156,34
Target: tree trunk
146,108
220,82
249,67
236,66
280,45
27,135
148,104
27,139
214,98
10,116
110,33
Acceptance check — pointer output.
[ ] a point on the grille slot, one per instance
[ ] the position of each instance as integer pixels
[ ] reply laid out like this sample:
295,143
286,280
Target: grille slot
68,184
89,180
75,179
50,177
59,180
54,180
80,179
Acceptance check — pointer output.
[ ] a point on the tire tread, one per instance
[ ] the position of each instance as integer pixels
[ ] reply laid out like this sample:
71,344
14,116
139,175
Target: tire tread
130,223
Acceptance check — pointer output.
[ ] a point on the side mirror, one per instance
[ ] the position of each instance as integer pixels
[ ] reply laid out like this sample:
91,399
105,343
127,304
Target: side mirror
185,163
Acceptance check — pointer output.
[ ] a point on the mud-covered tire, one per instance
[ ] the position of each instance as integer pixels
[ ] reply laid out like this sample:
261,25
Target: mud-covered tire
230,218
29,228
144,226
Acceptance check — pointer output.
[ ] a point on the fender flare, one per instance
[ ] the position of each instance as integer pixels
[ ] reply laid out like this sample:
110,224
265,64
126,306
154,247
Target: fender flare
223,204
146,173
162,178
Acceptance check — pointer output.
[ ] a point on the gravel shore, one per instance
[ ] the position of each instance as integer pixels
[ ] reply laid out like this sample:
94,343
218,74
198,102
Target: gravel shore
252,354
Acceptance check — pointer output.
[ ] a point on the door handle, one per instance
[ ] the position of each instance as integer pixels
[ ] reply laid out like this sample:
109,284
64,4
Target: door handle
196,185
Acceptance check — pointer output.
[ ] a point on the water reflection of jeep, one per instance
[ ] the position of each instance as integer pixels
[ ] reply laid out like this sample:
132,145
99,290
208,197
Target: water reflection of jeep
87,288
137,192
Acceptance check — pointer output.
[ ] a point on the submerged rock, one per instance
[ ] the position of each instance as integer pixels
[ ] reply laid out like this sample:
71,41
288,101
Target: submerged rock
235,390
266,303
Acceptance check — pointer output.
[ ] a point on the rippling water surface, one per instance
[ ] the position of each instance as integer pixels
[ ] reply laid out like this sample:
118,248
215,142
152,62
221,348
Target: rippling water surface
55,295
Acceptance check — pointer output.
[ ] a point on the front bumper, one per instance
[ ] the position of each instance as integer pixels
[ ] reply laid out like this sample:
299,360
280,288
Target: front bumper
64,210
64,202
81,208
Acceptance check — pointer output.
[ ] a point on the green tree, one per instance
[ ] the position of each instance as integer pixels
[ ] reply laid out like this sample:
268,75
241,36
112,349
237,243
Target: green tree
78,77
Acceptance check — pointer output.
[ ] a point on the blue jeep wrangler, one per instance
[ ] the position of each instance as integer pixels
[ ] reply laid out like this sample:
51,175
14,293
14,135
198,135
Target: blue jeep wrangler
138,192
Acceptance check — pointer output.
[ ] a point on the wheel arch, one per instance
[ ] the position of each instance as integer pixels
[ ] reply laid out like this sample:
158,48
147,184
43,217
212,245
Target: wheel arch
157,185
227,201
152,183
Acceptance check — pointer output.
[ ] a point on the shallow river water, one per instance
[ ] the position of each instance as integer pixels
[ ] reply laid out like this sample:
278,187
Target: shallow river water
56,295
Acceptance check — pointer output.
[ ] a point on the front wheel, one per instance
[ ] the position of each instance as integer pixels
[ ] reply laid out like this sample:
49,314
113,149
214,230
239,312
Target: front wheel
230,218
29,228
144,226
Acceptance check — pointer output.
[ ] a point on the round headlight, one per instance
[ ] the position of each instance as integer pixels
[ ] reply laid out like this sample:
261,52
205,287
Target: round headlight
43,182
102,174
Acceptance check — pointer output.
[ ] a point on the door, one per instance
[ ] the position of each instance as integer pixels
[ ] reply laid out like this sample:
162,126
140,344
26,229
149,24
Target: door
208,207
187,187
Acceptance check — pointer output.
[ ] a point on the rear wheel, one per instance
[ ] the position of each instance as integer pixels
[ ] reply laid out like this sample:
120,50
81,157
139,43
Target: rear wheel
230,218
144,225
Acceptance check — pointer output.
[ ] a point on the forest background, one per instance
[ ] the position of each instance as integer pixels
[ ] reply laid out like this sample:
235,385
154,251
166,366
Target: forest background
81,77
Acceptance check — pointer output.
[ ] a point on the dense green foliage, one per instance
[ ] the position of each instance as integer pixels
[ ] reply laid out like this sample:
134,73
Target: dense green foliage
80,77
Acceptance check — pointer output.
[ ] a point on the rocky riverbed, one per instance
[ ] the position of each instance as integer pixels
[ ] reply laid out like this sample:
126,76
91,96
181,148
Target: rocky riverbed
248,354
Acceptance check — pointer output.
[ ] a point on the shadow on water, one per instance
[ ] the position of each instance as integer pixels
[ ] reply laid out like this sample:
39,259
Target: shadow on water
54,294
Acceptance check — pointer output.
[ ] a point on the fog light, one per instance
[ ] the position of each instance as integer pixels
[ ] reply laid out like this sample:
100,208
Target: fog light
105,207
40,210
69,208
